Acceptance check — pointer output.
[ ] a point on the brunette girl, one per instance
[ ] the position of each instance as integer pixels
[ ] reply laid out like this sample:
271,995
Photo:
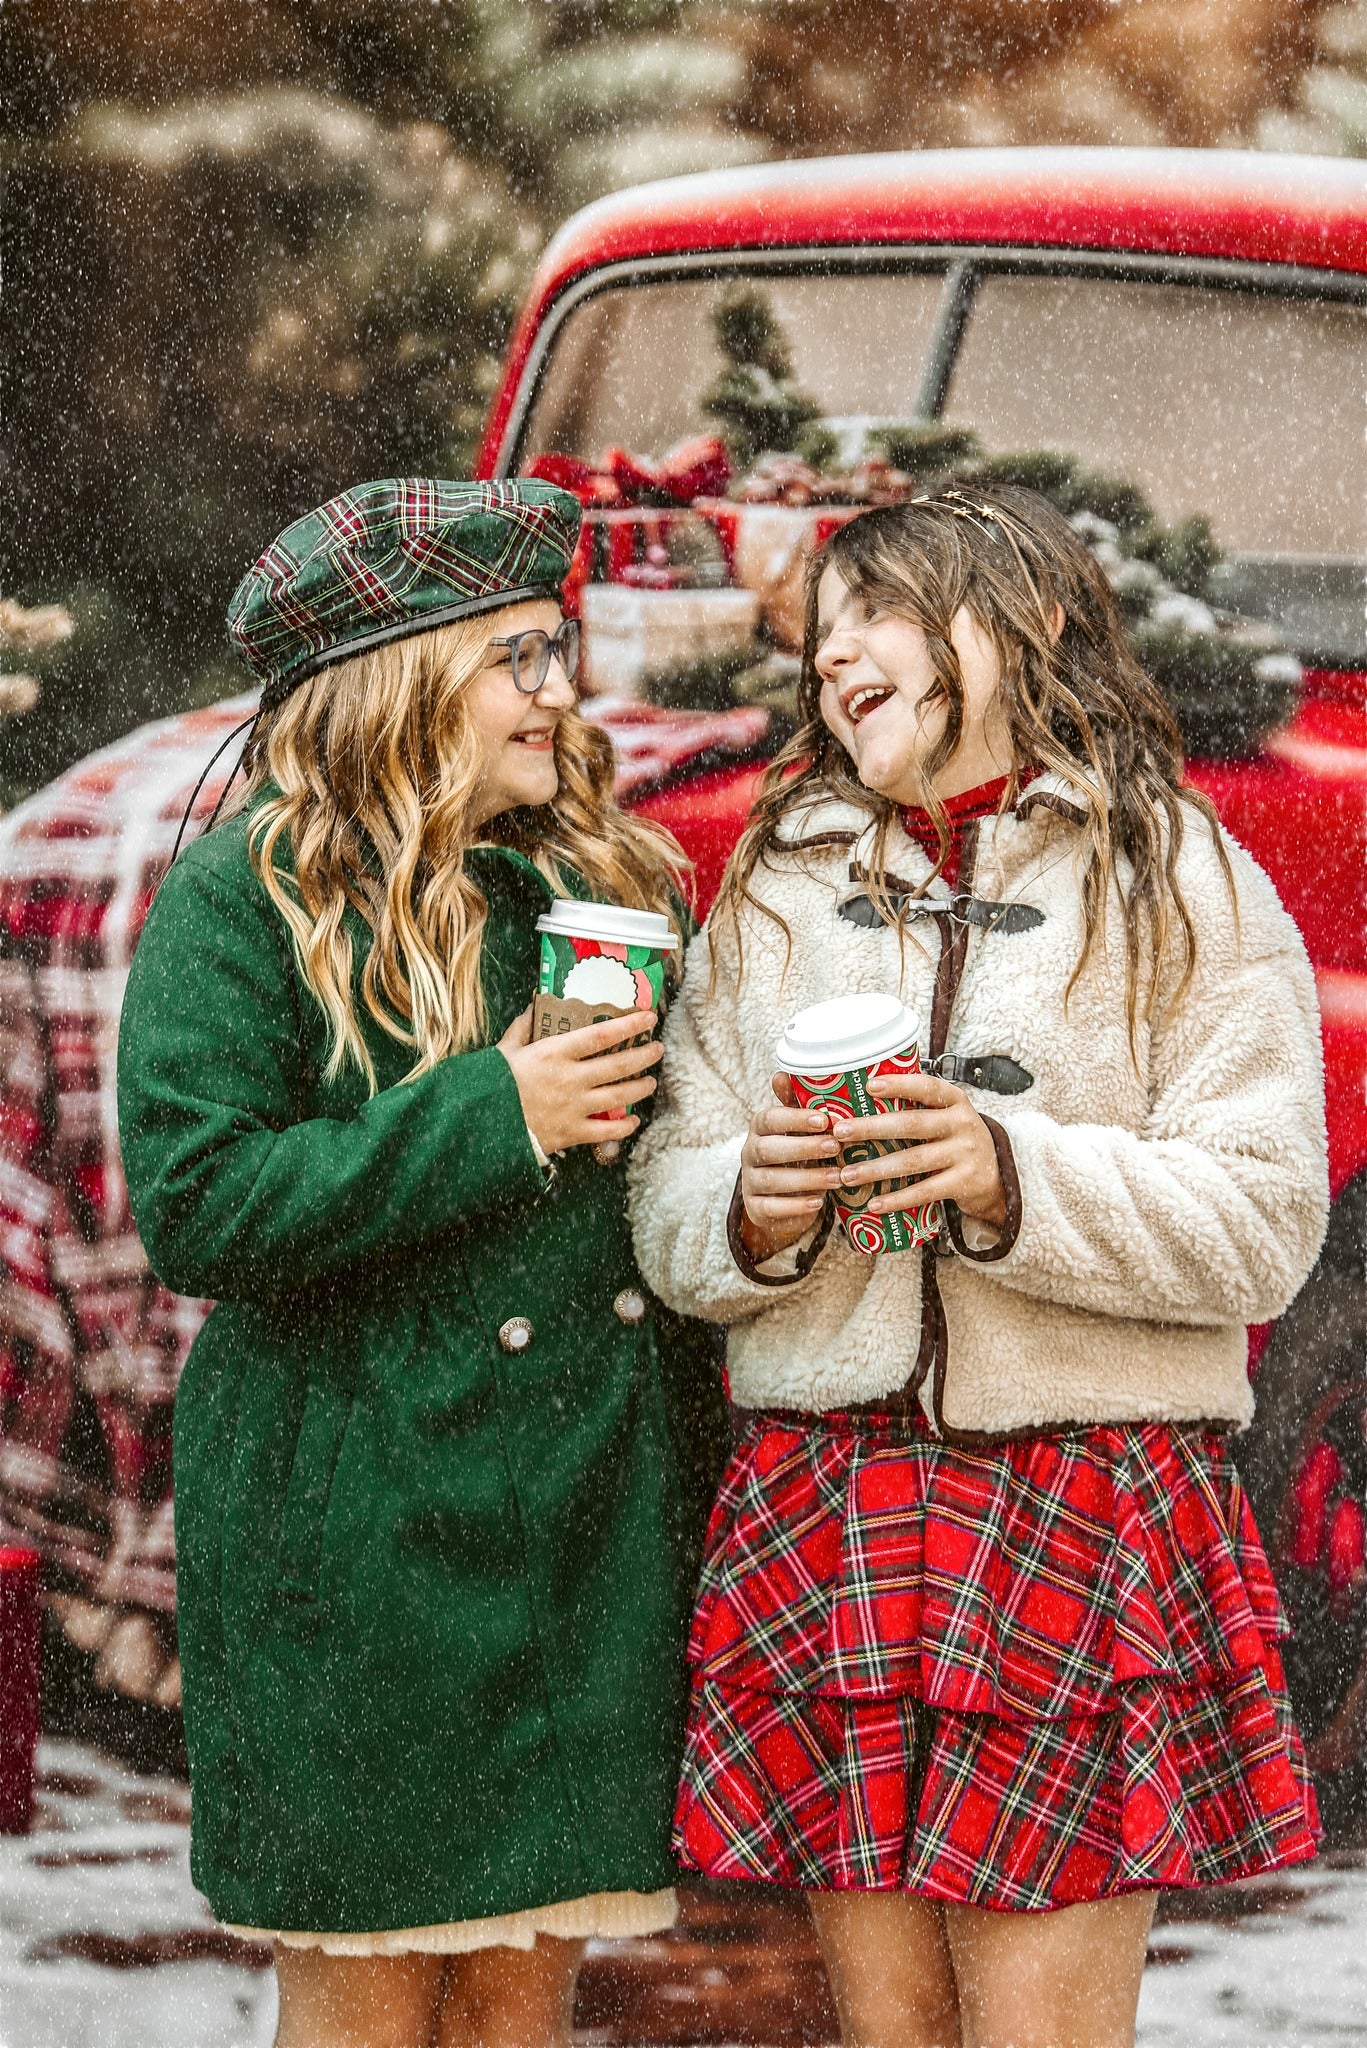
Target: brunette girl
432,1544
986,1647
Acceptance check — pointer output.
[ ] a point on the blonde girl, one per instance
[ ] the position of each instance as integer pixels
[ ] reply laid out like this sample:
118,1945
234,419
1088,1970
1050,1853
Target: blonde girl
432,1537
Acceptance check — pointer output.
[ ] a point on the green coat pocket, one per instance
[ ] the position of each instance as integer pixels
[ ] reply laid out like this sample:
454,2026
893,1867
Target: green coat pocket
327,1411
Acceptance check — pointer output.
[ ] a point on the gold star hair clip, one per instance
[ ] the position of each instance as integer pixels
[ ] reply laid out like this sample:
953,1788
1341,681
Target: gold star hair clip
963,509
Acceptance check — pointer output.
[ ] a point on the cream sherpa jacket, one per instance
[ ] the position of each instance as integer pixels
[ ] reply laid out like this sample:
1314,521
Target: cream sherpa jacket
1154,1210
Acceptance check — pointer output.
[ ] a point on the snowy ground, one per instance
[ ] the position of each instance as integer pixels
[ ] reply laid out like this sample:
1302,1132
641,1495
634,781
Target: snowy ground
104,1944
103,1941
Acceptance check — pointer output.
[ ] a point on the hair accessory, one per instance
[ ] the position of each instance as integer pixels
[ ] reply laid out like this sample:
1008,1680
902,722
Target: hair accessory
1010,529
961,507
966,509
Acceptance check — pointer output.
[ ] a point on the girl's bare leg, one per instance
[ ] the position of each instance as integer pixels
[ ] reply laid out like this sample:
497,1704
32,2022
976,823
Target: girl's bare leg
356,2001
1068,1979
511,1998
890,1969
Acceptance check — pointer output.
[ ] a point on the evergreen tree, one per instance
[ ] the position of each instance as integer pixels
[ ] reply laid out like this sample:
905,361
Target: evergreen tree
755,399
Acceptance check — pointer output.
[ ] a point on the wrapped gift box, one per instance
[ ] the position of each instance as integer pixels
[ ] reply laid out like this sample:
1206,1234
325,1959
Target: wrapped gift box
629,632
767,548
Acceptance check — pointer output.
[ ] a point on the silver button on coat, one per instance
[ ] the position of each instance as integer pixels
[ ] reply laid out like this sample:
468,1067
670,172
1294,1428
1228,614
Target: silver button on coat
515,1334
630,1305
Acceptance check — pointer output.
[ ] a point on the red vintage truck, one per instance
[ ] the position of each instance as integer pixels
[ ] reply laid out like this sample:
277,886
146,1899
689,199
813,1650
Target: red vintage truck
722,366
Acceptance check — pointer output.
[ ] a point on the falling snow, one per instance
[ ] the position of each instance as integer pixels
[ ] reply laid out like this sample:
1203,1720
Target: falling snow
104,1943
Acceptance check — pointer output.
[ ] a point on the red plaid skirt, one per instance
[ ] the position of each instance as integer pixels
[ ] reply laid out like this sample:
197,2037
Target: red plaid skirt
1016,1677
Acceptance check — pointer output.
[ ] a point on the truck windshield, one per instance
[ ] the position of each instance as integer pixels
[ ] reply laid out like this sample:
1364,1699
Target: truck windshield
632,367
1247,408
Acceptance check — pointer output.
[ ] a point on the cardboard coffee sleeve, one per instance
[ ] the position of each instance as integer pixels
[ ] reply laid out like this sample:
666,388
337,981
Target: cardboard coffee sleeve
598,960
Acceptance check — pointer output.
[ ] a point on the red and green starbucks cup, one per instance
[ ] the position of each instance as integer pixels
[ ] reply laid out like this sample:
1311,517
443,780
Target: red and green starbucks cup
832,1051
599,960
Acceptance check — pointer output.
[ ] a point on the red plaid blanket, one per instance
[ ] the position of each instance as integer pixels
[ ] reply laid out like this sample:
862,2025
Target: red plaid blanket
91,1345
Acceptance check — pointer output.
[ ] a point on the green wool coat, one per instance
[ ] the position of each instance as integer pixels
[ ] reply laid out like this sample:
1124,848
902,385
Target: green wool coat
432,1592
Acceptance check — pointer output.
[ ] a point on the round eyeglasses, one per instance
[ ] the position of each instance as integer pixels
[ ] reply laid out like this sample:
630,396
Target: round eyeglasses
530,654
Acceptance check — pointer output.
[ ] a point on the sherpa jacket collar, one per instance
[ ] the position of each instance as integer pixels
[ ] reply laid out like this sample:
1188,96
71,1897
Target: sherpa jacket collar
831,821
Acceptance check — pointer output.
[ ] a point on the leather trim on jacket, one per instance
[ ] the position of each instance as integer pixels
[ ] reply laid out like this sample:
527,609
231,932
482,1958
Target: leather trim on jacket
745,1260
1011,1188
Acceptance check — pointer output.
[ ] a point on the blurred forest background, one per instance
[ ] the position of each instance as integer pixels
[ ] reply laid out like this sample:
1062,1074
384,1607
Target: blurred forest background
253,251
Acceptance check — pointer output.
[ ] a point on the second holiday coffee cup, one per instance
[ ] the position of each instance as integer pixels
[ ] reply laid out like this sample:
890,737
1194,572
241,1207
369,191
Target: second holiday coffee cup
832,1051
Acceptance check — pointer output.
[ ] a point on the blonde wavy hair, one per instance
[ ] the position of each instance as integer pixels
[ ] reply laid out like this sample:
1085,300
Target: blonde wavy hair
375,764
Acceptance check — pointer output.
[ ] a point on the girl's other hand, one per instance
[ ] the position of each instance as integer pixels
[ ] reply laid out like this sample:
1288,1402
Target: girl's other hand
574,1087
952,1151
788,1165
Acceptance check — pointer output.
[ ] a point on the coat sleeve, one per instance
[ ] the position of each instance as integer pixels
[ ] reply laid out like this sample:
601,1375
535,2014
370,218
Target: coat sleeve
235,1191
683,1168
1214,1211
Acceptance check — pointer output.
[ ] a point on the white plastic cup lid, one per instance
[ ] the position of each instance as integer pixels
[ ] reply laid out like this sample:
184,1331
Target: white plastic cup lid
611,923
851,1031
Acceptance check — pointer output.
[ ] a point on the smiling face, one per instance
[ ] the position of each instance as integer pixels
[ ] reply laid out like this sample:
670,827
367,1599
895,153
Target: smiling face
517,733
881,698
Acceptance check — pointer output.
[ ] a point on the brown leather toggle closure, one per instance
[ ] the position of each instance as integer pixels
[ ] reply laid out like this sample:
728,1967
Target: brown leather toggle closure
996,1071
964,910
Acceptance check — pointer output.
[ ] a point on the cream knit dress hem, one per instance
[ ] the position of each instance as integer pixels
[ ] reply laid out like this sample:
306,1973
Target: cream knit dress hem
601,1915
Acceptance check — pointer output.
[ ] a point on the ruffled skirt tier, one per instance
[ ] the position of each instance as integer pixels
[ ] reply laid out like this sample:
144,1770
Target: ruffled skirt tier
1020,1677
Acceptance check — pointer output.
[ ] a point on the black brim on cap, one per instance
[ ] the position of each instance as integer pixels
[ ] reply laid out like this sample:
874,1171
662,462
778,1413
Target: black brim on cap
279,688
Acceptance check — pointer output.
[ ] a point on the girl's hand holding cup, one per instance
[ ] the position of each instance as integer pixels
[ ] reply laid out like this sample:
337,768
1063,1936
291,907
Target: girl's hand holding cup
576,1054
951,1151
789,1163
839,1061
574,1086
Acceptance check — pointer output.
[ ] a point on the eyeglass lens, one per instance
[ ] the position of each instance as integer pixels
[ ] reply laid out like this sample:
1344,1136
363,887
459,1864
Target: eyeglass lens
531,655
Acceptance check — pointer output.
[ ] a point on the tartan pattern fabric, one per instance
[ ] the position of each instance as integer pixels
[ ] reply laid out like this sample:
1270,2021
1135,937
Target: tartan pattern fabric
91,1345
385,558
1016,1677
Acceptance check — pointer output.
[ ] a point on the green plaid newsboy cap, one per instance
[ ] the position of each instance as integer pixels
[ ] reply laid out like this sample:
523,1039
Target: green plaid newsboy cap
398,556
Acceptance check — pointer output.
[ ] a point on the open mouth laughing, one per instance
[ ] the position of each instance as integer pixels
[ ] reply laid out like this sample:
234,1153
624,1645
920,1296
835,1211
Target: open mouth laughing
867,698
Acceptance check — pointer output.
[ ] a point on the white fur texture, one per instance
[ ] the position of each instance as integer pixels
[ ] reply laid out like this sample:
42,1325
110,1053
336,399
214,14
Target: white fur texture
1164,1208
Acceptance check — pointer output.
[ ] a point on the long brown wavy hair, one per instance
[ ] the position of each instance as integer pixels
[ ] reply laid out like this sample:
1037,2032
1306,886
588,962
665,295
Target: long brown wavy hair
1075,701
376,763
